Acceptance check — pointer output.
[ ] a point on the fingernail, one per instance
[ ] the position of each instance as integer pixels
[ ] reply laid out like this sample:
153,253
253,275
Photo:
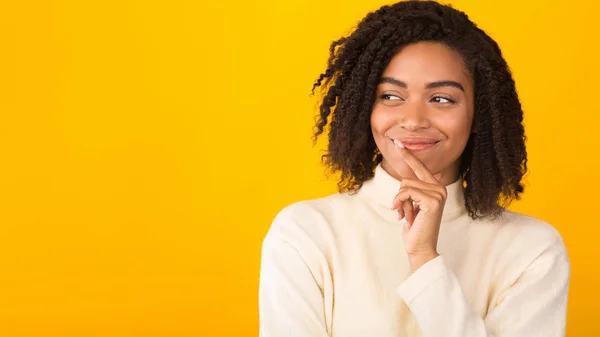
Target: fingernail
398,143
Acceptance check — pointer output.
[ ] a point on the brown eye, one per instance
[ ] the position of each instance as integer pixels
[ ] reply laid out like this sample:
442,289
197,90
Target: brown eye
442,100
390,97
391,100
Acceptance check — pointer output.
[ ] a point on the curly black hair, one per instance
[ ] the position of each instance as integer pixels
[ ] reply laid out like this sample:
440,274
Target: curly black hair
494,160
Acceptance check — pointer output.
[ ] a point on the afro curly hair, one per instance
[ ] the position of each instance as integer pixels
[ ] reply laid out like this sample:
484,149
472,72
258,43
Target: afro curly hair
494,160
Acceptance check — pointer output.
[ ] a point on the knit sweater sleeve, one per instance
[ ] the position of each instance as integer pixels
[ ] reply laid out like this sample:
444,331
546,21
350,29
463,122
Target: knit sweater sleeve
294,275
535,305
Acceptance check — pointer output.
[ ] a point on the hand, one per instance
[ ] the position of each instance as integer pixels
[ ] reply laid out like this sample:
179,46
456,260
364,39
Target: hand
421,201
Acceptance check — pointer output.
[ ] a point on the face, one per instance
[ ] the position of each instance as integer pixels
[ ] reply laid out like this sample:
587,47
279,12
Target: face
425,101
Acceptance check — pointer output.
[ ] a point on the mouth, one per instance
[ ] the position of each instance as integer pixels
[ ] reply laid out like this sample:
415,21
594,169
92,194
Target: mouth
415,144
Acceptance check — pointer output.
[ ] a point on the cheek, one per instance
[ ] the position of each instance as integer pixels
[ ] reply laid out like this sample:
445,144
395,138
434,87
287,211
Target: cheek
379,121
458,131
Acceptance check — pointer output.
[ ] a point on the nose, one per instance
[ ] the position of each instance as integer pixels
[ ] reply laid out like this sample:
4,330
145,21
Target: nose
414,117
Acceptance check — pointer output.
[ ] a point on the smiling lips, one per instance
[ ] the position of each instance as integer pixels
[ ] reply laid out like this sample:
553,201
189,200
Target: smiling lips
415,144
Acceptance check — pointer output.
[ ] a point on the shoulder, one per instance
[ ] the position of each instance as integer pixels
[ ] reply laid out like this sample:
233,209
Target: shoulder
314,209
310,221
529,227
523,235
528,248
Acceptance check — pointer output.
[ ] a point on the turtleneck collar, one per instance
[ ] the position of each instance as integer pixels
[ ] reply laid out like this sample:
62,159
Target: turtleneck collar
382,189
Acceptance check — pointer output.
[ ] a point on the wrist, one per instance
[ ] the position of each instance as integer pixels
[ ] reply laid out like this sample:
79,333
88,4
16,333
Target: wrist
418,260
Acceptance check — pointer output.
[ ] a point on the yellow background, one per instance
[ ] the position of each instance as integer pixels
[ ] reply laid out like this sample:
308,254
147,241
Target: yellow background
145,147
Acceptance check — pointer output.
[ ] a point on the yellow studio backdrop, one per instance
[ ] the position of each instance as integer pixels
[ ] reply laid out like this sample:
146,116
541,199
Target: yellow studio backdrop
147,145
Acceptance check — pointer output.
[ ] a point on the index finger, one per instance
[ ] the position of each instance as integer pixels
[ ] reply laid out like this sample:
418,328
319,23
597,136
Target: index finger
421,171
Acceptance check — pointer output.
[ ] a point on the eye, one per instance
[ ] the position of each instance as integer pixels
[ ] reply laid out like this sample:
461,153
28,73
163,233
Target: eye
442,100
390,97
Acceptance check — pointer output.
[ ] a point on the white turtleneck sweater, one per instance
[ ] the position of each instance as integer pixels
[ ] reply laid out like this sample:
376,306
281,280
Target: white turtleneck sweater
336,266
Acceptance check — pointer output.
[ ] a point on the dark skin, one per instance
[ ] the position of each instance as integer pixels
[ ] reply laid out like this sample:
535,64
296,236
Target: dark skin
494,159
421,201
421,122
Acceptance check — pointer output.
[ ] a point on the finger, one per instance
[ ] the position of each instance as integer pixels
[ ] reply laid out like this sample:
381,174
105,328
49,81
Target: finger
399,199
398,203
426,200
416,212
409,211
421,171
437,187
401,206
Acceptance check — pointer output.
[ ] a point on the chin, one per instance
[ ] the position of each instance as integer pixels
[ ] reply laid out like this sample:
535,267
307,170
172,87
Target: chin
401,169
398,168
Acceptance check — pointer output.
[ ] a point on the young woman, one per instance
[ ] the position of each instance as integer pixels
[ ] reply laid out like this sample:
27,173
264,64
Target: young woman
425,128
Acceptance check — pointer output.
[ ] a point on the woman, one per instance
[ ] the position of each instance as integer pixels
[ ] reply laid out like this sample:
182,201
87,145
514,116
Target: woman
425,128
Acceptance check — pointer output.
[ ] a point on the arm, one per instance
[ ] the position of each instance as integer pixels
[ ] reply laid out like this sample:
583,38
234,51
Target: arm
535,305
291,301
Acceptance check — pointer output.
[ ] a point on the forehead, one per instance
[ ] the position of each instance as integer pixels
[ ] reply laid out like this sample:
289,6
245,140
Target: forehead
425,62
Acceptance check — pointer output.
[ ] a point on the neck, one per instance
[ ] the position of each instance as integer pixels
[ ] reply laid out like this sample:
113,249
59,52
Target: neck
384,186
449,175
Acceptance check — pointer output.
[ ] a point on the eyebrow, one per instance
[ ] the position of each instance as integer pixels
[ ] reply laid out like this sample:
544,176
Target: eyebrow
436,84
